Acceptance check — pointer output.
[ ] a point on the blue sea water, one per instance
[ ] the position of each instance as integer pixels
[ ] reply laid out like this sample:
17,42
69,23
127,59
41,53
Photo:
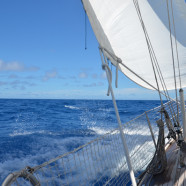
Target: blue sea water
34,131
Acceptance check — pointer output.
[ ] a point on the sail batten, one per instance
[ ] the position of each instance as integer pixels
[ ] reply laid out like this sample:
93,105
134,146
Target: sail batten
118,29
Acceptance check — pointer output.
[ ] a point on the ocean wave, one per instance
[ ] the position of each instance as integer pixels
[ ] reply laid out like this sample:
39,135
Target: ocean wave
80,173
25,133
71,107
99,131
29,142
106,109
48,148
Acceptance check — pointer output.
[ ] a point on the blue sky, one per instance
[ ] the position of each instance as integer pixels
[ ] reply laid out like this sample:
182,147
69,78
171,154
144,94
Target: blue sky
42,54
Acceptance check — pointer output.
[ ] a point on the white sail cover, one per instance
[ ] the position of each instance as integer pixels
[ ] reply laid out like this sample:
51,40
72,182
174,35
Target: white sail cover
118,29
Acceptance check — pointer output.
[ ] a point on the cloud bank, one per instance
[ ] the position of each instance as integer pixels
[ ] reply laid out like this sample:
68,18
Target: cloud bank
15,66
49,75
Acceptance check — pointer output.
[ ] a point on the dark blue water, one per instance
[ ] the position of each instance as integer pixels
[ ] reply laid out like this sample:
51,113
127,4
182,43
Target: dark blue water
33,131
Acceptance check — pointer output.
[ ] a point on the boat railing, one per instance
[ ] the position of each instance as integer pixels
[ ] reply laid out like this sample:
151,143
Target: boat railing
101,161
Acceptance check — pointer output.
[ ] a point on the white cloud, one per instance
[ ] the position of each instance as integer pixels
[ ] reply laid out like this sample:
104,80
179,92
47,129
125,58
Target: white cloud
83,75
103,75
94,76
135,93
17,84
49,75
13,76
30,77
15,66
2,83
94,84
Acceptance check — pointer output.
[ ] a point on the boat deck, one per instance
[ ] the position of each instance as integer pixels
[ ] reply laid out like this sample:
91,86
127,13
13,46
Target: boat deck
173,174
180,178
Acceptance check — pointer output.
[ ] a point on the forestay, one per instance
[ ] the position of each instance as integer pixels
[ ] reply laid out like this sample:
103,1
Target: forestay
118,29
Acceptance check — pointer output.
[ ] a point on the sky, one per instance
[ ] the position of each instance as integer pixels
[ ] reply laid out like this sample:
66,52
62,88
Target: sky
43,56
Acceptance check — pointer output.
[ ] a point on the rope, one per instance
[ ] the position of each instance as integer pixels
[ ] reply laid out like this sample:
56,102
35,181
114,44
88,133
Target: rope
154,65
125,147
100,157
118,60
176,45
176,52
154,61
170,127
85,31
172,55
150,49
104,66
116,81
159,161
170,102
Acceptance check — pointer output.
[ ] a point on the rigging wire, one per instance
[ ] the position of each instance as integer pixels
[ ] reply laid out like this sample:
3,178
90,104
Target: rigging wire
149,48
175,40
85,31
176,44
172,50
118,60
153,56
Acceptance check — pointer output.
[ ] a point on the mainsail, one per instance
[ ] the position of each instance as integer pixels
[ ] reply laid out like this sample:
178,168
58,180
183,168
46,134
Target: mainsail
118,30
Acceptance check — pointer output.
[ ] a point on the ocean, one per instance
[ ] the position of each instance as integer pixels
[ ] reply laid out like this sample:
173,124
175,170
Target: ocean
34,131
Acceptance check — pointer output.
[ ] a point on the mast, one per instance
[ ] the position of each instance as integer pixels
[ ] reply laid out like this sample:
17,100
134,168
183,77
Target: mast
182,102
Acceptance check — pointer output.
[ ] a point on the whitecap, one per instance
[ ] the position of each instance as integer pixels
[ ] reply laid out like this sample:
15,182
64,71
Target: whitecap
71,107
25,133
99,131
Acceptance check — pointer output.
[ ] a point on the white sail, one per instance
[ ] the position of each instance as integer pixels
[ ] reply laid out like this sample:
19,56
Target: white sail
118,29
